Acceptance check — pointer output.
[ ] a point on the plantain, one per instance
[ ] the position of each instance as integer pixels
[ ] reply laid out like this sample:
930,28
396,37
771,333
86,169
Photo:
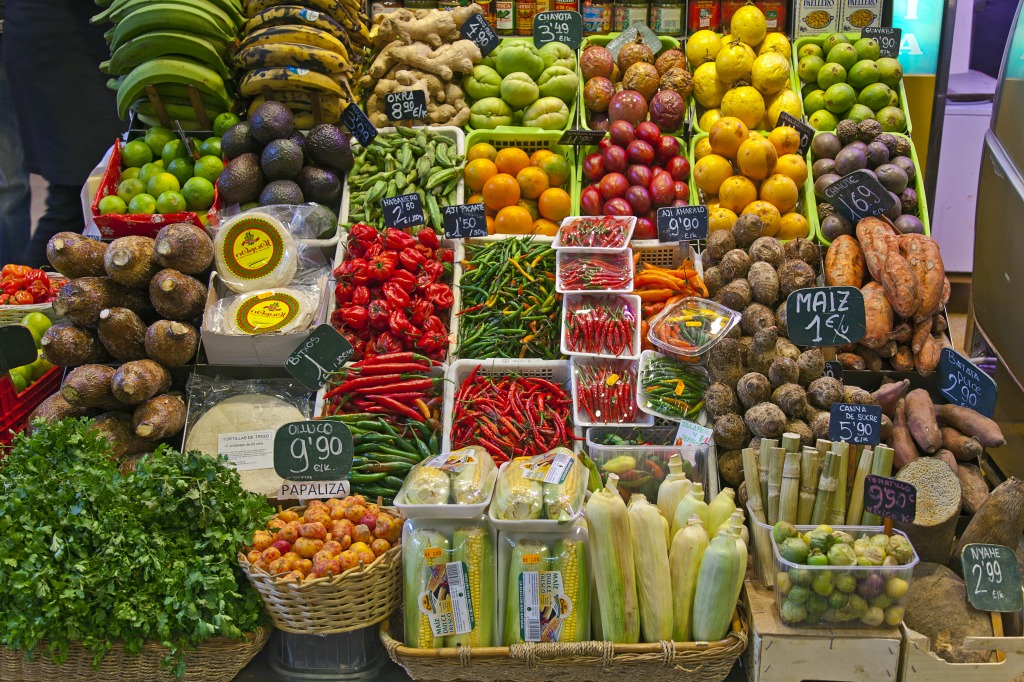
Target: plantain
287,78
163,43
166,17
167,70
332,8
292,54
228,17
304,35
296,15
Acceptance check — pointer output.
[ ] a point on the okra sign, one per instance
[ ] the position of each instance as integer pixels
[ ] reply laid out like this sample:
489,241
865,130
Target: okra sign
314,458
826,316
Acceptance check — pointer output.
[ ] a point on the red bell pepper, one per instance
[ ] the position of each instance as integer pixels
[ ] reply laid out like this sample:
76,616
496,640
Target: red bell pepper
11,270
411,259
445,255
357,269
428,237
343,292
39,291
397,240
396,295
355,316
365,234
400,325
383,265
378,314
434,268
386,342
361,295
440,295
421,310
404,279
23,298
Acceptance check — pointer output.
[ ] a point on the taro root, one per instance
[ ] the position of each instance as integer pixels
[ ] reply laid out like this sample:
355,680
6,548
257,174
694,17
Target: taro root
753,388
720,399
766,420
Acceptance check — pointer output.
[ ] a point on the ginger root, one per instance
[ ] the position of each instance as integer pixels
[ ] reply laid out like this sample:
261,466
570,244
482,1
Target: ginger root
434,29
435,88
445,61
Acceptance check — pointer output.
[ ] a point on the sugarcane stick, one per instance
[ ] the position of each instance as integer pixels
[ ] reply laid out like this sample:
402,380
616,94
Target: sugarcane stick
762,466
776,462
837,516
750,473
791,442
808,484
856,510
827,485
881,465
789,495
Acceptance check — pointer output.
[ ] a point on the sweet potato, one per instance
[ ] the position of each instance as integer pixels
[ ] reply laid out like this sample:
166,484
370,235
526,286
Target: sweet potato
878,316
844,263
965,449
927,360
886,428
922,329
973,486
921,420
888,395
901,286
902,333
872,360
904,448
878,242
922,253
971,423
903,359
947,457
851,361
887,350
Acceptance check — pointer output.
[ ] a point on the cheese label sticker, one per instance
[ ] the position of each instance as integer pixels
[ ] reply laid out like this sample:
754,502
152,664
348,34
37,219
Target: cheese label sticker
248,450
265,313
252,248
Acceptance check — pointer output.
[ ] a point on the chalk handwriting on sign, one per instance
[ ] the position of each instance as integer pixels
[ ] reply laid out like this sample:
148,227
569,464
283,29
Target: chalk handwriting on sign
464,221
318,450
889,498
826,316
405,210
855,424
479,30
859,195
965,384
992,577
358,124
408,105
324,352
682,223
558,27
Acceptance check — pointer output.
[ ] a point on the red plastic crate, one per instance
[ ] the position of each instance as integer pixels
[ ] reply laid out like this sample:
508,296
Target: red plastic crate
16,407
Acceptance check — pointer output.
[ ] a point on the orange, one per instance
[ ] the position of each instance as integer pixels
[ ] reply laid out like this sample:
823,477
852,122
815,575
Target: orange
720,219
511,160
756,158
793,167
545,227
490,224
531,207
513,220
500,191
702,149
532,182
786,140
557,168
481,150
475,199
711,201
555,204
769,215
781,192
736,192
710,172
539,155
791,226
726,135
479,171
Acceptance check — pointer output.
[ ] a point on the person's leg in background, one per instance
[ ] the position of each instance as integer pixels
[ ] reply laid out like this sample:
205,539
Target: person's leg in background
15,197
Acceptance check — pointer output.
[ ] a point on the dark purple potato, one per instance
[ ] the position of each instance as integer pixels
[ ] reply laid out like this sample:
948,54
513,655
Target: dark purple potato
821,183
897,208
909,200
878,154
823,167
834,226
863,146
892,178
825,146
907,165
851,159
909,224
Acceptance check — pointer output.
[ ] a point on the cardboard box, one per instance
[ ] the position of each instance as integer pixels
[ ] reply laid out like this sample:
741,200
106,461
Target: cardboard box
816,17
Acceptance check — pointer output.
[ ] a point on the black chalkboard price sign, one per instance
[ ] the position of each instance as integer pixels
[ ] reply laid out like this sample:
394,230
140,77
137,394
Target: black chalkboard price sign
582,138
647,36
318,450
992,577
17,347
682,223
805,130
888,39
558,27
324,352
834,369
965,384
464,221
859,195
479,30
403,211
410,105
358,124
826,316
855,424
890,499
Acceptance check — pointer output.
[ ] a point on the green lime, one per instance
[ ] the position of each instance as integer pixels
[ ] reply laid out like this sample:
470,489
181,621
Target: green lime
175,149
112,204
128,174
198,193
37,323
170,202
142,204
136,154
40,367
208,168
210,147
223,122
18,379
181,169
809,66
157,137
129,189
163,182
150,170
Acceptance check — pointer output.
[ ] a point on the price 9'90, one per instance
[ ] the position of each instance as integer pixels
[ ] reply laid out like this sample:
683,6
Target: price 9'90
327,446
886,498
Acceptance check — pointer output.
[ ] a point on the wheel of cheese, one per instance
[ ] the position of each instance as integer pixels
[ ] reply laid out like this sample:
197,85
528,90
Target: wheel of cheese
254,250
271,310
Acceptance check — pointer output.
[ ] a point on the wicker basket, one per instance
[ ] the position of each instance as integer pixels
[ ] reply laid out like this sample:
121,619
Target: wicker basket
358,598
13,314
217,660
573,662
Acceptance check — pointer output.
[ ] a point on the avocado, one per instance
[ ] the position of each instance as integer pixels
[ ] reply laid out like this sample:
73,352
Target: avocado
281,192
320,185
328,146
281,160
271,121
298,138
322,222
238,140
241,180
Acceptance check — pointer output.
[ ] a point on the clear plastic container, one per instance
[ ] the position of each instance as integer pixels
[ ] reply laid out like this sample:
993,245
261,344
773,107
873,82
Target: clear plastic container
595,234
538,506
614,270
691,379
348,656
452,485
877,592
608,389
691,327
761,537
584,308
642,468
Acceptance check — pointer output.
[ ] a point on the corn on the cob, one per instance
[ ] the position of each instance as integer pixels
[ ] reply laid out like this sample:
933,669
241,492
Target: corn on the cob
427,485
472,545
561,499
570,559
517,498
653,576
736,528
688,547
527,555
713,603
470,485
692,504
423,548
722,507
614,572
674,488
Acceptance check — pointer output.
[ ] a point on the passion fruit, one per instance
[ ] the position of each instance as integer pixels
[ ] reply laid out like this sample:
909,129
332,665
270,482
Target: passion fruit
634,52
670,59
642,77
597,93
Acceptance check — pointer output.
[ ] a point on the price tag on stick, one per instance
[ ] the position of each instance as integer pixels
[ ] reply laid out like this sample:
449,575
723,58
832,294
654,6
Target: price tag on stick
358,124
855,424
965,384
647,36
17,347
891,499
582,138
314,459
324,352
805,130
409,105
888,39
682,223
826,316
479,30
992,577
403,211
834,369
859,195
558,27
464,221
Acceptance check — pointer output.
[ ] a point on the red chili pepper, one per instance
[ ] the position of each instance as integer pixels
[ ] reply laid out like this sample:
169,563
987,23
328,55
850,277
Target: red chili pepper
404,279
23,298
445,255
421,310
402,356
396,387
411,259
400,325
410,397
434,269
398,407
39,291
428,237
382,265
386,342
12,270
361,295
440,295
397,240
392,367
357,269
361,381
396,296
378,312
343,292
355,316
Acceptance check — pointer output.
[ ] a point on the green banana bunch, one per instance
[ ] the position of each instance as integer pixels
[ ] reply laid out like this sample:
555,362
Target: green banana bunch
163,43
166,16
170,70
227,16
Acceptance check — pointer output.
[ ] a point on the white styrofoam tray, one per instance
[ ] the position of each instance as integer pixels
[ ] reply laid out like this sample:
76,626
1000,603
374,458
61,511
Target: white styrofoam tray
633,301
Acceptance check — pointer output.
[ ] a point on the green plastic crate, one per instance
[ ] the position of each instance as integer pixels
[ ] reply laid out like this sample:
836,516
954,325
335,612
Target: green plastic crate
808,209
818,40
922,204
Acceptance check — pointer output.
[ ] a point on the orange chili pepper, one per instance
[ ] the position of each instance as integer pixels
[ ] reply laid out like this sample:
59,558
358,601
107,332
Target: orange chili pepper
654,295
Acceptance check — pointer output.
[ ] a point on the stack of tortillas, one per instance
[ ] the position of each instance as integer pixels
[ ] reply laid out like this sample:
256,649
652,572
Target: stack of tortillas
254,250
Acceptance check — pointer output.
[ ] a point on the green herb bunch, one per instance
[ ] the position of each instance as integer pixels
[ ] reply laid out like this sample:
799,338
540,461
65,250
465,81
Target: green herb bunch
94,556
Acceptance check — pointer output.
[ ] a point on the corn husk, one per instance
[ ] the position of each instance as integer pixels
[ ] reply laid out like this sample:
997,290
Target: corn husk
693,504
674,488
653,576
613,568
517,498
722,507
688,547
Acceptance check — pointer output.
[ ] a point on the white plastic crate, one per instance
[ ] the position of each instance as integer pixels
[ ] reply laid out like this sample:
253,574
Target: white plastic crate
580,415
634,303
629,224
564,255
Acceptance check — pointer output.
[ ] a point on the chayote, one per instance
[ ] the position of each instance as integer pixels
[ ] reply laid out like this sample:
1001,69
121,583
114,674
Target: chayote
558,81
549,113
518,90
483,82
490,113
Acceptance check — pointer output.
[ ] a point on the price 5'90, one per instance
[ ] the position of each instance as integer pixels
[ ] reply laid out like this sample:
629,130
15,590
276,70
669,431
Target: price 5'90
850,429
